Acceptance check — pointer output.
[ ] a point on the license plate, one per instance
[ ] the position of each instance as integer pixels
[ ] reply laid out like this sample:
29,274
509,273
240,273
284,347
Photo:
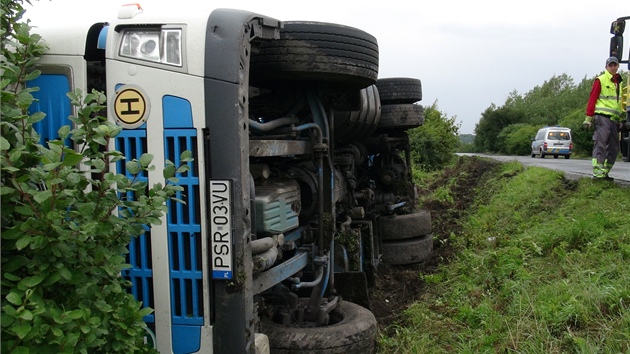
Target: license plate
221,229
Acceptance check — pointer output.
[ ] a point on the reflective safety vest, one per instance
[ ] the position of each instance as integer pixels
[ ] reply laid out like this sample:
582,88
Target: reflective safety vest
609,101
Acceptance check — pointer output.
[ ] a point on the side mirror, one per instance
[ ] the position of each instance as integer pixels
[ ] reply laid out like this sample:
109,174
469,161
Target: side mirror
617,27
616,46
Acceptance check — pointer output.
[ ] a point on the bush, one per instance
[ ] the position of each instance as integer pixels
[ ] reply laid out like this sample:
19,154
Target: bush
516,139
63,246
582,139
433,145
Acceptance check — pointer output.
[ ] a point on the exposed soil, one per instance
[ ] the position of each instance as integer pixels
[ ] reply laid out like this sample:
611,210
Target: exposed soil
397,287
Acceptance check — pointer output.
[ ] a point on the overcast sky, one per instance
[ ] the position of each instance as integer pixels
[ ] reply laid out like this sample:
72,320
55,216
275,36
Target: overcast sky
468,54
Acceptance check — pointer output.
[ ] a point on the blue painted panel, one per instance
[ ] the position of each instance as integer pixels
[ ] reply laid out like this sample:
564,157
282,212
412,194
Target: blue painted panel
184,230
188,339
52,100
102,38
133,143
177,112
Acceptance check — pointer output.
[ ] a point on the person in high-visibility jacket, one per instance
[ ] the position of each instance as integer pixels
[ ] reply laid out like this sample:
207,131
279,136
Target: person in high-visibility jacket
604,111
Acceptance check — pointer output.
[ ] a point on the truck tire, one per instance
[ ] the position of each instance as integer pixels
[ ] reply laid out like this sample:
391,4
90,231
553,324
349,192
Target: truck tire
317,51
407,251
352,330
402,227
399,90
400,117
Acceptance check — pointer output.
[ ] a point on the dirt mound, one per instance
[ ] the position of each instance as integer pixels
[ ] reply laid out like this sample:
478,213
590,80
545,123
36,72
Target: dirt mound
397,287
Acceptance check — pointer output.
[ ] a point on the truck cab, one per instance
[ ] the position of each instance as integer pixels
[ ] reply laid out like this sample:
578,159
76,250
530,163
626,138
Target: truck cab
301,181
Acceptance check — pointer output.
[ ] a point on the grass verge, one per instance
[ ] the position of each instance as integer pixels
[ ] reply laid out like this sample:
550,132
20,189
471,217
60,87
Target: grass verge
540,265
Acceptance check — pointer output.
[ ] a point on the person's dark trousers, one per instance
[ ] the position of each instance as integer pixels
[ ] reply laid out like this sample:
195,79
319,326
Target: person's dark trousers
606,145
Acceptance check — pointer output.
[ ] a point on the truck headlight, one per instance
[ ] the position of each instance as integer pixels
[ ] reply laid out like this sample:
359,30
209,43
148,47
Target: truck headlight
155,45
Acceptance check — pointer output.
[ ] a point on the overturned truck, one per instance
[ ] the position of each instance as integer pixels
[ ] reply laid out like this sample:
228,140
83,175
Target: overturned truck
301,181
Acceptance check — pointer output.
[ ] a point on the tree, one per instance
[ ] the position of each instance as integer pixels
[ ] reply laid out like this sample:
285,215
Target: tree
548,103
66,221
492,122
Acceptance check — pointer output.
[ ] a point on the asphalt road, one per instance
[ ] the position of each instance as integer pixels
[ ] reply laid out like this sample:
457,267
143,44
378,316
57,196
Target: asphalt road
573,168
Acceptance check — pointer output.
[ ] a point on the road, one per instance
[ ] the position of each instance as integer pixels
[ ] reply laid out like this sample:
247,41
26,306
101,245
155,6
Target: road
573,168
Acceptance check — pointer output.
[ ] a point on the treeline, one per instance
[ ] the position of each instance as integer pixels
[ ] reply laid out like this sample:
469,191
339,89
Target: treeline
559,101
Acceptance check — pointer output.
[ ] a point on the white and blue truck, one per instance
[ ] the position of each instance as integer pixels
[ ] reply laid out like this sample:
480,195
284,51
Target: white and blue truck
301,181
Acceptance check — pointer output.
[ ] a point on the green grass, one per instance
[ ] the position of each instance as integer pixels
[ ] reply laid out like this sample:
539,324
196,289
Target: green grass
542,266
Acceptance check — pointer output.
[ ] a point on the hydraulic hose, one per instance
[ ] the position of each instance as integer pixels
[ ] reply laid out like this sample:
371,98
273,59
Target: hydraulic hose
274,124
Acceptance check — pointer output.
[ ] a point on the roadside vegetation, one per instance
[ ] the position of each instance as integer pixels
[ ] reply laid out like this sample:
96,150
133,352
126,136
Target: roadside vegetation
559,101
530,262
433,145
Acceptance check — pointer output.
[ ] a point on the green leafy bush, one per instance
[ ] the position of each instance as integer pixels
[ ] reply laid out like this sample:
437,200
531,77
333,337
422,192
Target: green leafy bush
433,145
582,138
66,220
516,139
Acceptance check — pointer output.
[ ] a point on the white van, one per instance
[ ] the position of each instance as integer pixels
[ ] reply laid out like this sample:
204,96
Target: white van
554,141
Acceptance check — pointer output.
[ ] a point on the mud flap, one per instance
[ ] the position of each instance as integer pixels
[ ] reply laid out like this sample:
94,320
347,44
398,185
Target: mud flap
353,287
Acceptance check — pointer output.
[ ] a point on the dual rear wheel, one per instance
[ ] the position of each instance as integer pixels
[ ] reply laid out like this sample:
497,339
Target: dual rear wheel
407,239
